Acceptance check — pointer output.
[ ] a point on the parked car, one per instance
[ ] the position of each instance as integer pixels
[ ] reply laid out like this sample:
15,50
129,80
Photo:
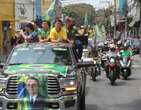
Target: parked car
60,76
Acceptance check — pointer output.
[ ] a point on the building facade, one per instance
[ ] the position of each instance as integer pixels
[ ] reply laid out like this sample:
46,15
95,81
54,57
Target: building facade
134,13
11,12
7,25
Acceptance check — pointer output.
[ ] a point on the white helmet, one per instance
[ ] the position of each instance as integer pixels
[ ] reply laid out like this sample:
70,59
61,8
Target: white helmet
112,45
119,42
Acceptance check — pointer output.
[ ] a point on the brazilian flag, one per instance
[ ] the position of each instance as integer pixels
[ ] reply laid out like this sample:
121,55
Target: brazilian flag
23,103
50,14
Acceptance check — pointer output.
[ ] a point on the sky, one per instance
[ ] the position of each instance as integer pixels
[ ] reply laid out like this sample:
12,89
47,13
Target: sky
98,4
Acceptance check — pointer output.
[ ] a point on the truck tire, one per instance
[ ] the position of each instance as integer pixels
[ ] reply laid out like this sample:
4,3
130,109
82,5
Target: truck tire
81,101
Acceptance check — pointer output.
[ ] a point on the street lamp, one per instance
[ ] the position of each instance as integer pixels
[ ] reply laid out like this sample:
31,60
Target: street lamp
33,3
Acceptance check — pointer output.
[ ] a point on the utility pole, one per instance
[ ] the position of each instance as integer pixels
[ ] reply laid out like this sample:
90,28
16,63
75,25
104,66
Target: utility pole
33,3
126,21
115,17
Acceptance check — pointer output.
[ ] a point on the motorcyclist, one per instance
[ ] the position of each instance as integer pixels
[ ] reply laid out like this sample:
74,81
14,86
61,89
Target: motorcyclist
112,53
105,47
126,52
119,46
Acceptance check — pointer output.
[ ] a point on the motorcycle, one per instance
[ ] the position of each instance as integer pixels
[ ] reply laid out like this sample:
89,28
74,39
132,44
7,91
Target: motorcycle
112,70
94,70
125,67
103,60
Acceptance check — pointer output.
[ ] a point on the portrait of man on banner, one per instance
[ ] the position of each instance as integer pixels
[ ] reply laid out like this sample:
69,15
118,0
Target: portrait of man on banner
29,94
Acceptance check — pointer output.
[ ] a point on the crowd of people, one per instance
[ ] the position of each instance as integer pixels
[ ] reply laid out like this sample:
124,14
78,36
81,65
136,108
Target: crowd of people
65,32
59,32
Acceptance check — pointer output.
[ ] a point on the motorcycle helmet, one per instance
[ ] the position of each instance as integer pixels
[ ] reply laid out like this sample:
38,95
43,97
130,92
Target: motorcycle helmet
119,43
105,43
112,47
125,46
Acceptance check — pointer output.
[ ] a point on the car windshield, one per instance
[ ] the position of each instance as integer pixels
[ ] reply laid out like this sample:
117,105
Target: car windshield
40,55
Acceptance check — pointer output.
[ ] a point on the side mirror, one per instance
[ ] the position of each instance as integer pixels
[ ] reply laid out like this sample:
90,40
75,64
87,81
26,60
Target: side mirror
2,65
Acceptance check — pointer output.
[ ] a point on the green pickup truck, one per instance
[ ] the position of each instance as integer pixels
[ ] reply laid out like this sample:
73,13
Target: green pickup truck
43,76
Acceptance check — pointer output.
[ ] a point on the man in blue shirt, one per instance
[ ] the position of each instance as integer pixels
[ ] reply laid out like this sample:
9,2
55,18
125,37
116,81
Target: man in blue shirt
29,35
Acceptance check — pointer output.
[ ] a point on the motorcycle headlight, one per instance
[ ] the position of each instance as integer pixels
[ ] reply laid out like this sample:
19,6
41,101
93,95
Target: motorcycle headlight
112,60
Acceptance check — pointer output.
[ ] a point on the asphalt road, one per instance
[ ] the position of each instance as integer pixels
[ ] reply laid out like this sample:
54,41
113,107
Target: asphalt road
126,95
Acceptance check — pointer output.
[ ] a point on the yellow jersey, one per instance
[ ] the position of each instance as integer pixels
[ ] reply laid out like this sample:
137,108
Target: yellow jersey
61,35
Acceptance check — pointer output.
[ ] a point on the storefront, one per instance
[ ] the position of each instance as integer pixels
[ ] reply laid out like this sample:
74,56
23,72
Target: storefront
7,24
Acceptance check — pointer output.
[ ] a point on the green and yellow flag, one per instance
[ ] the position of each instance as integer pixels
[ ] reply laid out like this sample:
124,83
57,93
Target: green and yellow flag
50,14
